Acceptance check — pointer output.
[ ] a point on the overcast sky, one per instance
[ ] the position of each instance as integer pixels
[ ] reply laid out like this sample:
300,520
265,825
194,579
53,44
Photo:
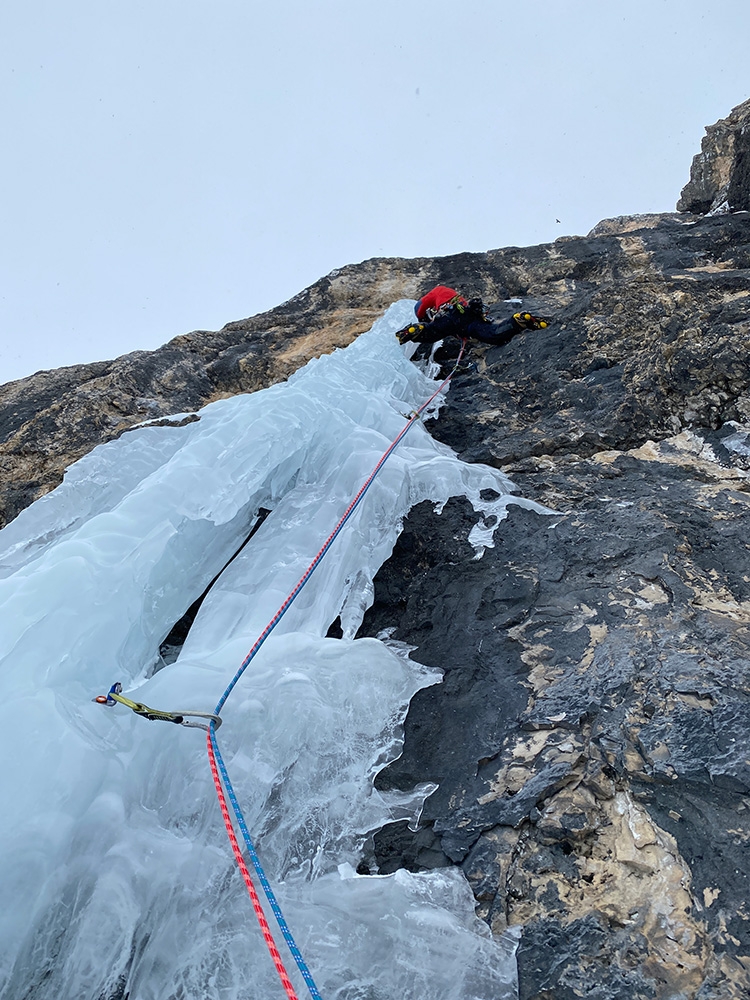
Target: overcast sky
173,165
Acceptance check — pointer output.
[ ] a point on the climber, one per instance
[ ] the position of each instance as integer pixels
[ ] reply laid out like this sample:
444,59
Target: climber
443,312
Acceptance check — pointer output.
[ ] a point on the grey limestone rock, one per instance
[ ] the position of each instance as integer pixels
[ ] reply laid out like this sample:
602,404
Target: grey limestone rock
720,174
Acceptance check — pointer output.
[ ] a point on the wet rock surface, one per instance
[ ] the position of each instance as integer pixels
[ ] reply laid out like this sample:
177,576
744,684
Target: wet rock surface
591,736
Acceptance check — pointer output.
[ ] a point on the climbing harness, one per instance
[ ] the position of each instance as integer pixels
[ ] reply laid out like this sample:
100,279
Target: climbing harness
216,762
458,302
115,695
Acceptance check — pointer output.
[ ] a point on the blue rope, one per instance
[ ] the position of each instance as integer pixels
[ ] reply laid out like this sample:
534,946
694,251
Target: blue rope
270,896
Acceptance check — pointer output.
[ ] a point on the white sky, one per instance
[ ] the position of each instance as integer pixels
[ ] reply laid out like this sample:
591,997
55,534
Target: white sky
173,165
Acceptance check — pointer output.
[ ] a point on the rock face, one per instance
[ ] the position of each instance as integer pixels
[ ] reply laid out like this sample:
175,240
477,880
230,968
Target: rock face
720,175
591,737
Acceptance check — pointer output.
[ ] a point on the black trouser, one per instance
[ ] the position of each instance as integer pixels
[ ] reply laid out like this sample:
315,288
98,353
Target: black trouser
493,333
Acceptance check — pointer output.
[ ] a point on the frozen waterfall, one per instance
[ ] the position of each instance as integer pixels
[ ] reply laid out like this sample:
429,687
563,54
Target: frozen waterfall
118,879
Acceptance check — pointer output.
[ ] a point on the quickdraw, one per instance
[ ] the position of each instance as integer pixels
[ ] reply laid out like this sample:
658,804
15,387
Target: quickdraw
115,695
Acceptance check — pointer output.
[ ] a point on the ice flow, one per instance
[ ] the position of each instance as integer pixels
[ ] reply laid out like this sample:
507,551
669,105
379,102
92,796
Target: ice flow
117,876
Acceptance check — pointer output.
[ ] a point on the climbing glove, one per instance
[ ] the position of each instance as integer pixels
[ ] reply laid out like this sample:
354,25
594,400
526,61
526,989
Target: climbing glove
409,332
525,321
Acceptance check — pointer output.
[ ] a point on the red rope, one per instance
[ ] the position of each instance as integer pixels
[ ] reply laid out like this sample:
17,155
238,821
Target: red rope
265,929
